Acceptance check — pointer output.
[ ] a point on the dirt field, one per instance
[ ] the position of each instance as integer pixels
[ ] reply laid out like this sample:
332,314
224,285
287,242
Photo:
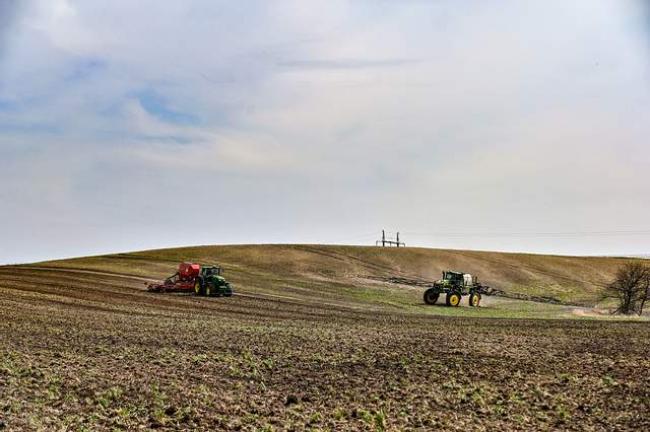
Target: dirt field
84,349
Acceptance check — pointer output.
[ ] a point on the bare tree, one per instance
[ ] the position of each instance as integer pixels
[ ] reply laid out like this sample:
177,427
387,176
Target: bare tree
631,288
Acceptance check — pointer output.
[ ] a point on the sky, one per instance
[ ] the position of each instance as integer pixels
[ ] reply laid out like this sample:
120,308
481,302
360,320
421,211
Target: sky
493,125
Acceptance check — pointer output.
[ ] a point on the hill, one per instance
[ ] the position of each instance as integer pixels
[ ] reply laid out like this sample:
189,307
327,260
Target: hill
351,273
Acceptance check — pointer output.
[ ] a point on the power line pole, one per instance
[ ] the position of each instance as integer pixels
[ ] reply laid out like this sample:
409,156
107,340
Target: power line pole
389,241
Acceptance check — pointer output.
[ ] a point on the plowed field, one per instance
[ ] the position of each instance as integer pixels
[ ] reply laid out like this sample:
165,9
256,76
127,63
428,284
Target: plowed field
86,348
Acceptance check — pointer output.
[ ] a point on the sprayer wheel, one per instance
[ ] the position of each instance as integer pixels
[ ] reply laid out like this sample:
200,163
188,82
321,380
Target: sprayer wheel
431,296
453,299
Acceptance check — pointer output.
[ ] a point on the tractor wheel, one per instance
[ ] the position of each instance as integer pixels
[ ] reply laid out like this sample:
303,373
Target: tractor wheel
228,293
474,299
431,296
453,299
198,288
208,290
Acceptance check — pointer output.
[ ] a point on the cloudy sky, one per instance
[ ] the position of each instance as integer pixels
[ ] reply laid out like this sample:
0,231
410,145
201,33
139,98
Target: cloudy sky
521,126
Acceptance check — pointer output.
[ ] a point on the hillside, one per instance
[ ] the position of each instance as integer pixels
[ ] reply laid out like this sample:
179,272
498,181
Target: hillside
348,272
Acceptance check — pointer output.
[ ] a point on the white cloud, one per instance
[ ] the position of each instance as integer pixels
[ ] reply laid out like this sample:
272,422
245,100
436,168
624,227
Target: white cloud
223,153
333,114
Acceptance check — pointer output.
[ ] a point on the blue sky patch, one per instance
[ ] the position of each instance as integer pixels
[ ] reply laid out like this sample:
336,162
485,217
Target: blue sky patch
6,105
159,107
29,128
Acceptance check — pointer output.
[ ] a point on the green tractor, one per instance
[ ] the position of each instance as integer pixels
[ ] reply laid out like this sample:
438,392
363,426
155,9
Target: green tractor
209,283
455,285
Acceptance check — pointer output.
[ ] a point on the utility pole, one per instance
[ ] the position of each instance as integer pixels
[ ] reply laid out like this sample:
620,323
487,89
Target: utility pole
389,241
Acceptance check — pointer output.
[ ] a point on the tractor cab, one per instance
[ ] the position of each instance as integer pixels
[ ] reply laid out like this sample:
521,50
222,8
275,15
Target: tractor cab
452,276
210,271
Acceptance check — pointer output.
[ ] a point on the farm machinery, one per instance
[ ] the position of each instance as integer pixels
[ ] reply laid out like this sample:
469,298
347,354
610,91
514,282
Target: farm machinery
455,285
202,280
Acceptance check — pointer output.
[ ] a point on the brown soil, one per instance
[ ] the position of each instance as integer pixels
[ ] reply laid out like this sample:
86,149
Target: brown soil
90,351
